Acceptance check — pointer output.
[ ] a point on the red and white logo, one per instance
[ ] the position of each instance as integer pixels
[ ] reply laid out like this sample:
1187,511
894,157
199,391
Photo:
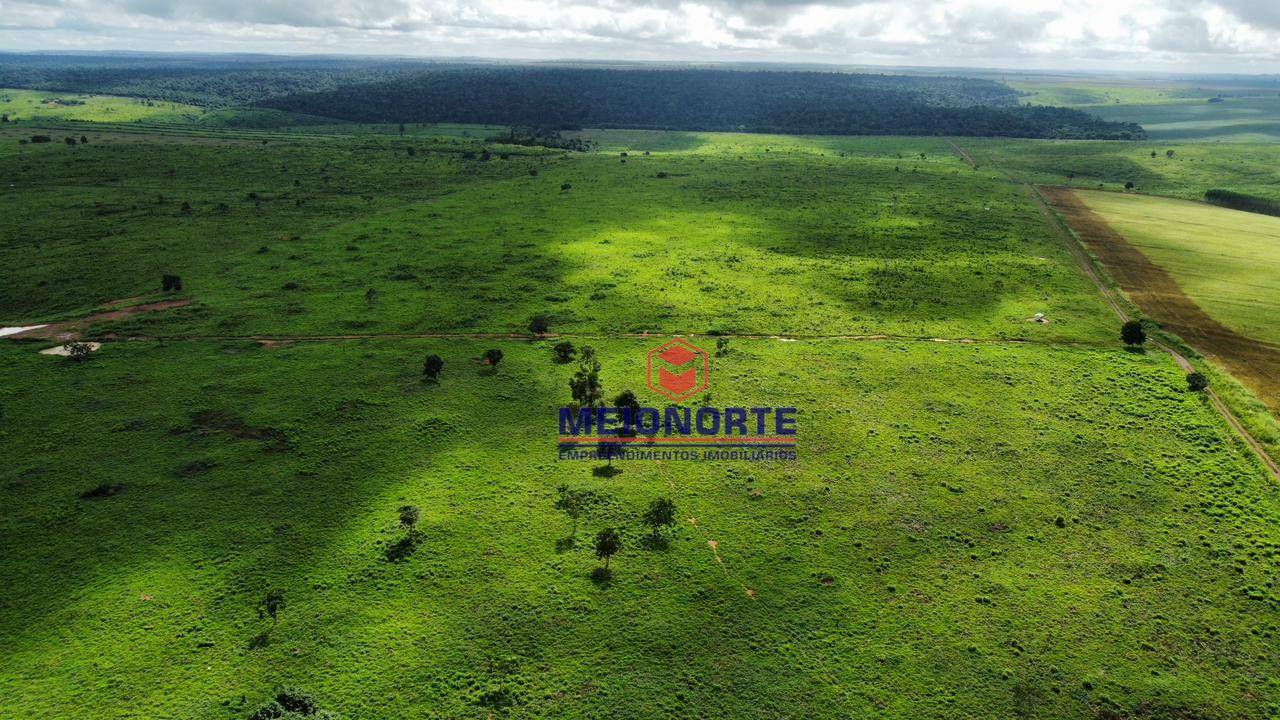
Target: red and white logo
678,370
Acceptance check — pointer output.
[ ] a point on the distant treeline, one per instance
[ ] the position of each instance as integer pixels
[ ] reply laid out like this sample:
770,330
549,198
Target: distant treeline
1240,201
562,97
758,101
209,81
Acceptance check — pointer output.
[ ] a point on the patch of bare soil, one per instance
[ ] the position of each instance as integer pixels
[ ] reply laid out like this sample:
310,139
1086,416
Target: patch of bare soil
1254,363
71,329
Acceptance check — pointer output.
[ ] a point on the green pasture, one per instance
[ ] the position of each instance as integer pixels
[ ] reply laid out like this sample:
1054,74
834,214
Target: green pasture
741,234
40,105
969,530
1251,119
1251,168
989,516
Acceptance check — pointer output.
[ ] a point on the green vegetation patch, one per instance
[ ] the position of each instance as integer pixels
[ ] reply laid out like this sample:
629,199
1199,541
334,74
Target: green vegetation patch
748,234
1042,532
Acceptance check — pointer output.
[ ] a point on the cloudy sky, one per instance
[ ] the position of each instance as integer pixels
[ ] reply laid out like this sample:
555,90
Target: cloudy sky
1174,35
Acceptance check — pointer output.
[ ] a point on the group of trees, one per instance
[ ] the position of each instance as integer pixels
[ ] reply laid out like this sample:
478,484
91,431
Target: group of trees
1241,201
660,514
543,137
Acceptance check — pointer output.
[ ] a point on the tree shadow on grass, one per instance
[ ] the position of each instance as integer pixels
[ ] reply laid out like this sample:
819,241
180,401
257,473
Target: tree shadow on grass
602,577
402,548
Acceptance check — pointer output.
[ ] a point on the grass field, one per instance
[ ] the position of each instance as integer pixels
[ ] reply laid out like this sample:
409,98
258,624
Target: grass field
1235,119
1195,167
910,563
989,517
1227,261
40,105
742,234
1092,93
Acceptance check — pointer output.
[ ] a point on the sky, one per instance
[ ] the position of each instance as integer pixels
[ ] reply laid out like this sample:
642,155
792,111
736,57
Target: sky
1238,36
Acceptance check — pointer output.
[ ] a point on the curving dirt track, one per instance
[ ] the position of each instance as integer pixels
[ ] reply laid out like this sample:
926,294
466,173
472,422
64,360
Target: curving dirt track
1255,363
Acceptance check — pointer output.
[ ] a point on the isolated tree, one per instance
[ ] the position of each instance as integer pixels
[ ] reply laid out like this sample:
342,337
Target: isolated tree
566,187
608,543
493,356
563,351
271,605
539,324
629,404
585,383
431,367
627,399
607,449
533,172
1168,154
1132,333
1128,185
573,503
411,151
1197,382
370,296
722,346
84,140
1153,153
661,513
409,518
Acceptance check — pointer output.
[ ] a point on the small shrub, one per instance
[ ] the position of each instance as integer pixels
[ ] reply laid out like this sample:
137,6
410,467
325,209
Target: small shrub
492,357
1133,334
563,351
1197,382
104,490
432,366
539,324
77,351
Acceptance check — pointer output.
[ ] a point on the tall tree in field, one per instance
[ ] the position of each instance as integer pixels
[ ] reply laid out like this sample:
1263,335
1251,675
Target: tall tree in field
585,383
573,503
608,543
409,519
661,513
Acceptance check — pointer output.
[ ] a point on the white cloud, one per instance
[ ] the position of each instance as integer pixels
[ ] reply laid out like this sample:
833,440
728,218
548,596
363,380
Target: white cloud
1201,35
